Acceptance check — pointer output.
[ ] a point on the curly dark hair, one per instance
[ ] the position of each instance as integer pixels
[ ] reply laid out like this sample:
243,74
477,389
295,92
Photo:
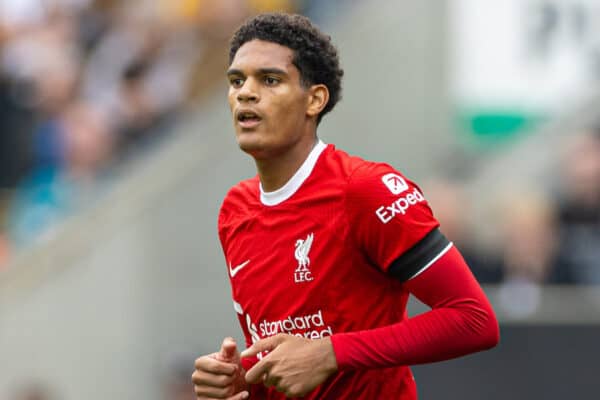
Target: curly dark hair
314,55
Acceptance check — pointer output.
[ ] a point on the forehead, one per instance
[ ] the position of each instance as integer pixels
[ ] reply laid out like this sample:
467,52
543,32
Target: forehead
258,54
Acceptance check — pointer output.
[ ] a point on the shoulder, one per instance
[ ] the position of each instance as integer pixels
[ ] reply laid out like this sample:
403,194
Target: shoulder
353,168
375,176
365,176
369,182
238,201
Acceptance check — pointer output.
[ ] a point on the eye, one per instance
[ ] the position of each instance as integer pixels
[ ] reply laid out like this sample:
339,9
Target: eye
236,82
271,80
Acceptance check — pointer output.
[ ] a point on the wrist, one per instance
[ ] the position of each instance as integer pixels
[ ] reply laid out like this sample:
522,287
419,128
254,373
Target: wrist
329,361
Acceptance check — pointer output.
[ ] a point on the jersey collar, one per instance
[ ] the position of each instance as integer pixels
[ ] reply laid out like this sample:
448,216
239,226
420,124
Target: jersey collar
286,191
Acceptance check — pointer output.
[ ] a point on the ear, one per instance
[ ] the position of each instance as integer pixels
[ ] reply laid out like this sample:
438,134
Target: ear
318,97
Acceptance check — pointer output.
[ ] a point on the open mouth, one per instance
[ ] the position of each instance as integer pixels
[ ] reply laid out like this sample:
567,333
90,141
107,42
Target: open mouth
248,118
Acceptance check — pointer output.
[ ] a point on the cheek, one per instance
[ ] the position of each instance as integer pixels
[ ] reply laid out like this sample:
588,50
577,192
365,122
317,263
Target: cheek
285,120
292,111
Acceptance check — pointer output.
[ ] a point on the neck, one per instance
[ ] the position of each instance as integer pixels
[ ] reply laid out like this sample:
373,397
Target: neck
275,171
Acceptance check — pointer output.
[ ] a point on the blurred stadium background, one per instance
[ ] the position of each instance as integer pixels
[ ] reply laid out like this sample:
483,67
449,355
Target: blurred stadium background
116,149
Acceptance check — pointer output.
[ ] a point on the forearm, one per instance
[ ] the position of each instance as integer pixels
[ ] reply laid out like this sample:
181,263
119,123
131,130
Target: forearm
460,322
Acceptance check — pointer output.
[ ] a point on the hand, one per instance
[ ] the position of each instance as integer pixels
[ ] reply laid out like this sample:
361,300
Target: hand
220,375
294,365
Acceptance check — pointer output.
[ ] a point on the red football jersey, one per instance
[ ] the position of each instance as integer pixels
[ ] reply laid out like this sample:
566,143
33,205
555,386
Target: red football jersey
313,259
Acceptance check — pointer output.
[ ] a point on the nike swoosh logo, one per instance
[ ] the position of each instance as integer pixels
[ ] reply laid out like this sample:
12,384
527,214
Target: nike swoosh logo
234,271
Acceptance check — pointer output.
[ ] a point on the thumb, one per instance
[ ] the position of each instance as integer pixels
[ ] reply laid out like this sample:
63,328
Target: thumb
267,344
228,350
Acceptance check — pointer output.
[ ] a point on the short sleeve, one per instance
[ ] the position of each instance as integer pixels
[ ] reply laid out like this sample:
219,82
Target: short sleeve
391,221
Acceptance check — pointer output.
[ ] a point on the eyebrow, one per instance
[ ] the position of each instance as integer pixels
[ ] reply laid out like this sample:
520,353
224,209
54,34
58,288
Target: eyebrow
261,71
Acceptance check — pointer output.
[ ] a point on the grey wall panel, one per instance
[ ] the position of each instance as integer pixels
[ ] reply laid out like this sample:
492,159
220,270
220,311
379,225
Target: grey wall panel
550,362
395,106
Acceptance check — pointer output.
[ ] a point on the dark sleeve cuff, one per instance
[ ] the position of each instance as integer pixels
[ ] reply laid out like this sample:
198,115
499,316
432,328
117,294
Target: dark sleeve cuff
418,256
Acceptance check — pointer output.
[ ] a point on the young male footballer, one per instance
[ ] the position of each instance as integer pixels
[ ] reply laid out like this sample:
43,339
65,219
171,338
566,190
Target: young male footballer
323,248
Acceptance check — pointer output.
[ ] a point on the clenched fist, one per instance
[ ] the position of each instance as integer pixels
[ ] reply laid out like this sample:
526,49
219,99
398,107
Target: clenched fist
220,375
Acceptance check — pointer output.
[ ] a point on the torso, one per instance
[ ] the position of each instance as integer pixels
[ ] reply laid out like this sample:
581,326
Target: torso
295,267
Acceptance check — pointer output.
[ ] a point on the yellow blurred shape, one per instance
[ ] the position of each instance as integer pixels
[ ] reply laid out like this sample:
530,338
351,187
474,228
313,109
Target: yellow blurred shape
181,10
270,5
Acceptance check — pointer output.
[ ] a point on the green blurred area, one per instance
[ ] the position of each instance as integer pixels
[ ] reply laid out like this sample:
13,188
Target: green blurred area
487,128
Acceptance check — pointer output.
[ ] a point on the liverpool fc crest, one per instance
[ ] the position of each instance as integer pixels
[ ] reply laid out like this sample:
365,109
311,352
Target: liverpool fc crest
302,273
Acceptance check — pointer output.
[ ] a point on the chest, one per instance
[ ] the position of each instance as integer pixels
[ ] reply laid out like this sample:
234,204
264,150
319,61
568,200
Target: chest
284,261
299,271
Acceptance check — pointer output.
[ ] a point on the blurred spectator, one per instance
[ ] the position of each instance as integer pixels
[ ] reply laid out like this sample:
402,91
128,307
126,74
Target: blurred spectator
82,84
145,82
4,244
16,125
579,211
451,205
62,181
529,238
528,250
3,250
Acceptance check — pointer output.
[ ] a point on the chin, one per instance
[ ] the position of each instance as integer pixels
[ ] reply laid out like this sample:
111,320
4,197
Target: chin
250,146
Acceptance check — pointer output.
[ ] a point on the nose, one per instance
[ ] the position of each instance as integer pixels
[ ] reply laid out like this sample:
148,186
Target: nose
248,92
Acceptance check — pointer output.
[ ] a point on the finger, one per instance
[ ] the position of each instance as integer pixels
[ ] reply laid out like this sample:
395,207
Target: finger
228,349
270,380
258,371
202,394
214,366
267,344
201,378
209,392
240,396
